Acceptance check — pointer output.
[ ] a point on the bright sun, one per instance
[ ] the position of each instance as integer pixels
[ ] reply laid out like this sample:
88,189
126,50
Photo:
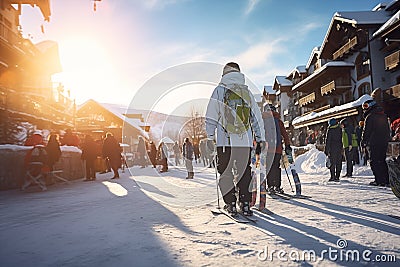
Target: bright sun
88,70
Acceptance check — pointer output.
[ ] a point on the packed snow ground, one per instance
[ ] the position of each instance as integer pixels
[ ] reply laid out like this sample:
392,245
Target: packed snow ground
149,219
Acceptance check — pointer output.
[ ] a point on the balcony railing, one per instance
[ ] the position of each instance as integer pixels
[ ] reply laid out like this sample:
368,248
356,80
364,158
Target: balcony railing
395,90
326,89
345,48
307,99
392,61
36,107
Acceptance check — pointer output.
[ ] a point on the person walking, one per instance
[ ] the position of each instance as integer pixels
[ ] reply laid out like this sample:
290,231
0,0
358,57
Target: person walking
349,144
177,153
333,149
302,138
153,154
275,133
375,137
112,151
188,152
163,156
89,155
232,119
53,151
141,151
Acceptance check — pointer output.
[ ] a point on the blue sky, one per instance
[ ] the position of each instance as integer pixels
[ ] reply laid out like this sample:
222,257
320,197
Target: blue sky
125,43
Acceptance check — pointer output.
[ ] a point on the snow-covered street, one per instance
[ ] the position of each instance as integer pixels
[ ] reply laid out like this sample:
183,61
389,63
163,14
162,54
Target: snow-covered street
150,219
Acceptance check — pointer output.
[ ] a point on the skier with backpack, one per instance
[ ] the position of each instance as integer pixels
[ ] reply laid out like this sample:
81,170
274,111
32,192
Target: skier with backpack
232,119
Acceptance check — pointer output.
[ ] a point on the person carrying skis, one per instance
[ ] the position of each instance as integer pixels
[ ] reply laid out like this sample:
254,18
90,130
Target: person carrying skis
275,133
333,149
376,136
232,117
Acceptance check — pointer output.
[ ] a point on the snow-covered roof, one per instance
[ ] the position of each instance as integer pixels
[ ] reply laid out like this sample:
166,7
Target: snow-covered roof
315,52
269,90
119,111
362,17
392,5
394,19
357,18
283,81
327,65
167,140
298,69
315,115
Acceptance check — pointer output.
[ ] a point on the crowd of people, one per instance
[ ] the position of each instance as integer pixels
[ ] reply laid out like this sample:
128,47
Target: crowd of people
235,127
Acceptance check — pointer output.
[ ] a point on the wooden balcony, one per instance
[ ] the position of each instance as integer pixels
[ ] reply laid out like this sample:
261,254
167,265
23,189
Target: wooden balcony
345,49
392,61
307,99
338,86
36,108
327,88
395,90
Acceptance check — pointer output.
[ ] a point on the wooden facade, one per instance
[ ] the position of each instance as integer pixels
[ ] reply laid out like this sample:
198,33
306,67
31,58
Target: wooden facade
350,63
97,119
27,94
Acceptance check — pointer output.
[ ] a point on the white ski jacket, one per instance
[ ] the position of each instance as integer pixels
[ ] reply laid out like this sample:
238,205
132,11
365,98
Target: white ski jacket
215,116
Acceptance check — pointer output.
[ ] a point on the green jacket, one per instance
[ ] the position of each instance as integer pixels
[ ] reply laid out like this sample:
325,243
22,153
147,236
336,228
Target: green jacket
345,139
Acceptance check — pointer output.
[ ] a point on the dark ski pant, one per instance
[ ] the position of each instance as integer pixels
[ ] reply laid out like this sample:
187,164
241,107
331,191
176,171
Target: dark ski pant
230,160
349,155
90,171
336,164
378,163
274,177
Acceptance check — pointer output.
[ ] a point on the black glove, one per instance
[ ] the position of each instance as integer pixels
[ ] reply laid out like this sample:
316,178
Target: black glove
260,147
288,150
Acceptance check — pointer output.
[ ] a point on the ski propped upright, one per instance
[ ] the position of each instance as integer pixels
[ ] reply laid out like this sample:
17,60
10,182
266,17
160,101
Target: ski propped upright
238,218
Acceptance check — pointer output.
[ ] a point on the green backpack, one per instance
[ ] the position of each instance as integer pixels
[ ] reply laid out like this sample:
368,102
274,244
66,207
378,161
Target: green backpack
237,109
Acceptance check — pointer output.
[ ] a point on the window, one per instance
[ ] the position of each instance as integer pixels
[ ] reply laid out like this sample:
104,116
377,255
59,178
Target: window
362,65
364,89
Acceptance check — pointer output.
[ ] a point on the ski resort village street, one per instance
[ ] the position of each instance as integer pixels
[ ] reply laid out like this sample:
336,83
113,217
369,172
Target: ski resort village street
153,219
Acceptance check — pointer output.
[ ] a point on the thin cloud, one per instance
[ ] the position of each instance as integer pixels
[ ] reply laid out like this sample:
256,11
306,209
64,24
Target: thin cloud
251,4
159,4
258,54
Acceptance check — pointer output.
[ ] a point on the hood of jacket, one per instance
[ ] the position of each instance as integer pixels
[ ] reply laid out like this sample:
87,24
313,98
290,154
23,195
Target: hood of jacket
231,78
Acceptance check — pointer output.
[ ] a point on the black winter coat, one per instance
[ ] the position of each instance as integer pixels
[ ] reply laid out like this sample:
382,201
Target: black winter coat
333,141
376,130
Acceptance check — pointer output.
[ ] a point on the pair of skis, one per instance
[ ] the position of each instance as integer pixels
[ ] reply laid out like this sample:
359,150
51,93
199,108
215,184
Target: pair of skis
239,217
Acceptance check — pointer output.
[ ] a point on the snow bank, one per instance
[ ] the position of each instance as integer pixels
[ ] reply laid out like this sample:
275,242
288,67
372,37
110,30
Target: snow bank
313,161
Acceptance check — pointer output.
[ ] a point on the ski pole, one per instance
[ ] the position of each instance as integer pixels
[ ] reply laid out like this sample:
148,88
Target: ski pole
127,167
284,166
216,178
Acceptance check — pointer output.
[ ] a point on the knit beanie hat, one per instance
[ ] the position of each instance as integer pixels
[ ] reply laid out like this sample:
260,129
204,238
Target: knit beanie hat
332,122
230,67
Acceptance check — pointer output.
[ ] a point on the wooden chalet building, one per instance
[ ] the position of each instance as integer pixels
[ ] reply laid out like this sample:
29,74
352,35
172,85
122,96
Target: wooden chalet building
125,124
27,94
359,53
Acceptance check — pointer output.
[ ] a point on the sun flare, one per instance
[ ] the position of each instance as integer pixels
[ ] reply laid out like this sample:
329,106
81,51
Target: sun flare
87,67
